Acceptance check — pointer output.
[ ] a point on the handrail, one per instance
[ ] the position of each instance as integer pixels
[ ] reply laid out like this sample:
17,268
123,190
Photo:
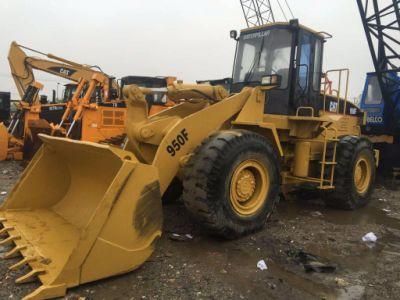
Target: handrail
305,108
339,89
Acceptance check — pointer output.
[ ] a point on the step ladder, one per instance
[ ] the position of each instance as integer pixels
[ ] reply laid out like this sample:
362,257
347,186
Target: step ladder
330,137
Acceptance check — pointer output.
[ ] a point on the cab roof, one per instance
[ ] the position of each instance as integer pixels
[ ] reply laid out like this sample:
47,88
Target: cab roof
283,24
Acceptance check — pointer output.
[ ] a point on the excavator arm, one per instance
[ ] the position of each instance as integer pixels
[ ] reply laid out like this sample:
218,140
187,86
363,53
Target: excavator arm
22,67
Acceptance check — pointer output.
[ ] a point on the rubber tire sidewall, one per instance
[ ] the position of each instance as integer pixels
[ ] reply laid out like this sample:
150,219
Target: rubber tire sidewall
345,195
220,154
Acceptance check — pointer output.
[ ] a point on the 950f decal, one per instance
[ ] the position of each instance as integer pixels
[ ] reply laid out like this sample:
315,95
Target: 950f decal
178,142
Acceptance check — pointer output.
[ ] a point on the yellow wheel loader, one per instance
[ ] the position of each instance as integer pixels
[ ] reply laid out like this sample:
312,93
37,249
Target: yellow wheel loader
100,212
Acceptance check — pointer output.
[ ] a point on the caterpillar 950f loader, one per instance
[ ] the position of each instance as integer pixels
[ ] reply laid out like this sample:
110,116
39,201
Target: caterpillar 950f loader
100,214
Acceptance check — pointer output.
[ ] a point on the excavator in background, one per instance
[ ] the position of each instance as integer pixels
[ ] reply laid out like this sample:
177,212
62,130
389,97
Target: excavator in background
104,122
86,119
100,212
92,109
19,140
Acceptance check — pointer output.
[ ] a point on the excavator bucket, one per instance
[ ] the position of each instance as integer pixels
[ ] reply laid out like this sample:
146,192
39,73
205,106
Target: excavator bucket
80,212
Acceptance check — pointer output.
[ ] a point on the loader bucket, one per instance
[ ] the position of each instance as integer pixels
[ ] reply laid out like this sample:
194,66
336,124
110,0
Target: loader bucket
81,212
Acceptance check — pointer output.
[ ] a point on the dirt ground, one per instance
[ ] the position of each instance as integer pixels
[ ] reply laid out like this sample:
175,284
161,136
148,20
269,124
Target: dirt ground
300,231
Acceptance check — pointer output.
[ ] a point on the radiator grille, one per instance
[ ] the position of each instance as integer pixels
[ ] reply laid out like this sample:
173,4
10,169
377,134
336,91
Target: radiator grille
113,118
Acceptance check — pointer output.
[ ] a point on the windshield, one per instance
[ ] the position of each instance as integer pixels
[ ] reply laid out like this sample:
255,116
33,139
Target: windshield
263,53
374,94
69,92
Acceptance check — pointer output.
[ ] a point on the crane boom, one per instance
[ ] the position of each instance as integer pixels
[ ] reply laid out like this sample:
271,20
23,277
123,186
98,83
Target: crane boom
257,12
261,12
381,22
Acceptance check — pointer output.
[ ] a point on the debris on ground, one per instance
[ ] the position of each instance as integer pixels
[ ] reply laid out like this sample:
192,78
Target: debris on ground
262,265
180,237
74,297
318,267
3,193
272,286
369,238
341,282
316,214
312,263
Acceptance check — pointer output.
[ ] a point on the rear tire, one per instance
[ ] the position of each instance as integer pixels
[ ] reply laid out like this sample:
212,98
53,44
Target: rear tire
231,183
354,174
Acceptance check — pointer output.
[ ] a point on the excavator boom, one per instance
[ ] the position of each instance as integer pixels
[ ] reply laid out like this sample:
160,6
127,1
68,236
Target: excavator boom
22,67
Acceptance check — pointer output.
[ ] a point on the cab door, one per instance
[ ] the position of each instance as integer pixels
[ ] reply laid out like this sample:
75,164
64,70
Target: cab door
308,71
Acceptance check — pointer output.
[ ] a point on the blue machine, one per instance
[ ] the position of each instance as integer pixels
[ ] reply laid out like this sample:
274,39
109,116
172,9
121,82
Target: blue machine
381,97
381,118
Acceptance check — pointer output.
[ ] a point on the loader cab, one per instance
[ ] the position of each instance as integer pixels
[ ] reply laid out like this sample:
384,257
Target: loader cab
289,50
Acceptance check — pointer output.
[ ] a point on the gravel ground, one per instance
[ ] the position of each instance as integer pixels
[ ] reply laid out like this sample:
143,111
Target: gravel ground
301,230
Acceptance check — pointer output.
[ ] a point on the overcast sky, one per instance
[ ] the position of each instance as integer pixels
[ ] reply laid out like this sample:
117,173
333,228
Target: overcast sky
185,38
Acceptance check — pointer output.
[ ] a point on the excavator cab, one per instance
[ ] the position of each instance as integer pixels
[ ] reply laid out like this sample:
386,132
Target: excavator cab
286,52
69,90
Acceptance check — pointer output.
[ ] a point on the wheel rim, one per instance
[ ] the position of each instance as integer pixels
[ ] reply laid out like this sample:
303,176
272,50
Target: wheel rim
249,187
362,175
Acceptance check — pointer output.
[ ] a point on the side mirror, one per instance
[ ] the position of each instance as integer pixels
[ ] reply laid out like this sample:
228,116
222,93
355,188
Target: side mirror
234,35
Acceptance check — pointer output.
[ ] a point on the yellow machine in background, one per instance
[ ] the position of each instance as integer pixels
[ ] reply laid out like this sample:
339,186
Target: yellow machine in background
19,140
99,213
93,111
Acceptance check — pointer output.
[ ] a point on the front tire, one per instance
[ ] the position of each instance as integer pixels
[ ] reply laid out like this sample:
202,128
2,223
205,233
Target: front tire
354,174
231,183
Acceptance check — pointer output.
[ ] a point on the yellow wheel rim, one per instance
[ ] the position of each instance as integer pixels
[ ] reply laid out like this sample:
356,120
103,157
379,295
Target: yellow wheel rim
249,187
362,174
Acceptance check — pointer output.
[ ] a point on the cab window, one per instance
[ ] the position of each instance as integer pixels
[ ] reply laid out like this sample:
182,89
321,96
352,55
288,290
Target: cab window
374,93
